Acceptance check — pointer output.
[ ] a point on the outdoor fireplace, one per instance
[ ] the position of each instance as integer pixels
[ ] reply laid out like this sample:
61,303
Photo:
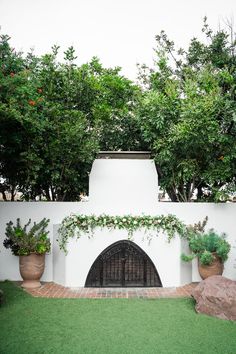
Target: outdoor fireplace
122,183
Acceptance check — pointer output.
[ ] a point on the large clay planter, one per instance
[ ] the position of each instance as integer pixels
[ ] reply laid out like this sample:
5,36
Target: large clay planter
31,269
216,268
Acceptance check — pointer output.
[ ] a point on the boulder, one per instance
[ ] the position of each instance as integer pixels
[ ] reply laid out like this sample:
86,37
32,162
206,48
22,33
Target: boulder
216,296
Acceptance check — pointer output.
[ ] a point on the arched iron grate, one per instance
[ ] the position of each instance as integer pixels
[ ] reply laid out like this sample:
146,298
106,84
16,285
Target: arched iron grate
123,264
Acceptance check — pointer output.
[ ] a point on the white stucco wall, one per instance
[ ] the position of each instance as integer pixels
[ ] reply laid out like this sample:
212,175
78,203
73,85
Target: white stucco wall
73,271
165,256
124,183
118,187
36,211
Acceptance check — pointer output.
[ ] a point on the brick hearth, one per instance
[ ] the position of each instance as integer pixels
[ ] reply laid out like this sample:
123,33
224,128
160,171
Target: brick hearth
52,290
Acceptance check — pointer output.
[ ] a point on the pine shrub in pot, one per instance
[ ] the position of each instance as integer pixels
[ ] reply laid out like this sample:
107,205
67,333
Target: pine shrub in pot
30,244
210,248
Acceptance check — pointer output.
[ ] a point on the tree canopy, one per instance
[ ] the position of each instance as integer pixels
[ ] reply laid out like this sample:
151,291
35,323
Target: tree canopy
56,116
187,116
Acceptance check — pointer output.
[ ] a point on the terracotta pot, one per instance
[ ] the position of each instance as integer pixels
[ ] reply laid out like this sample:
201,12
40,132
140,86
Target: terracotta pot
216,268
31,269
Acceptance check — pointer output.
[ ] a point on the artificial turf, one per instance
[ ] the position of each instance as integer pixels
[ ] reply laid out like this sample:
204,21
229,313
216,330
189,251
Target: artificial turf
38,325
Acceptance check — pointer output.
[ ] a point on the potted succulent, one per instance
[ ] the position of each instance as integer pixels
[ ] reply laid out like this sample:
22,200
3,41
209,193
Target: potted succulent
31,246
210,248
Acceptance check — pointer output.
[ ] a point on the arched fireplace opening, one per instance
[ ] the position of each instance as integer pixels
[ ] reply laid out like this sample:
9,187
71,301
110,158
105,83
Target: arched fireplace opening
123,264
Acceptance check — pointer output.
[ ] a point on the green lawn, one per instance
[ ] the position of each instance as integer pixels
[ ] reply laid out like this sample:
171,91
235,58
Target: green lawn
105,326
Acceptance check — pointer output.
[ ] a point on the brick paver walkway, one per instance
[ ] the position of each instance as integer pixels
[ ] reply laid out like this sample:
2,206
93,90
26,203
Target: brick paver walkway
52,290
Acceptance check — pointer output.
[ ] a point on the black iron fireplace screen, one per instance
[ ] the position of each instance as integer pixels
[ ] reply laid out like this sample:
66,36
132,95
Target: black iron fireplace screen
123,264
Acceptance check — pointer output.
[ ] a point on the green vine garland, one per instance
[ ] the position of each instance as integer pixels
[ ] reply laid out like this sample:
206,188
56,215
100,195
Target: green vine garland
76,225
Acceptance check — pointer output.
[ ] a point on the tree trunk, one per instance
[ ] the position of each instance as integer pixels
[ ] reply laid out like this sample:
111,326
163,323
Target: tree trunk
53,194
13,194
199,192
172,194
4,196
47,194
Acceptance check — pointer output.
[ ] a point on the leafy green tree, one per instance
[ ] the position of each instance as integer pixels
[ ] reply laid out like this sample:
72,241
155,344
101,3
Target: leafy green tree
54,119
46,144
115,109
187,116
15,103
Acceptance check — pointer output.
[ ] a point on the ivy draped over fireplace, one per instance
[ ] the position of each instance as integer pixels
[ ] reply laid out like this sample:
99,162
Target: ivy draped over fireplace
76,225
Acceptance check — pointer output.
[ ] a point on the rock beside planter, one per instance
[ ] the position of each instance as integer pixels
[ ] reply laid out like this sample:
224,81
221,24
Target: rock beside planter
216,296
